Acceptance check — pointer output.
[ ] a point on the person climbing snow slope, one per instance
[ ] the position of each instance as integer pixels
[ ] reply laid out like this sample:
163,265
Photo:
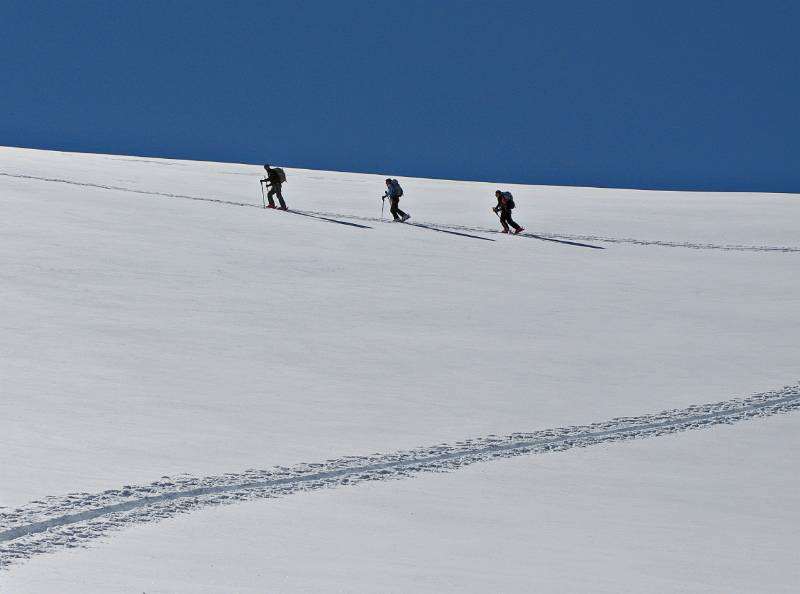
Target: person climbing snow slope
274,180
505,203
393,193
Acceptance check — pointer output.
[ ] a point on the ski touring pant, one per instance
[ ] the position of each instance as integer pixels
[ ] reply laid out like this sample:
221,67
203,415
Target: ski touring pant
394,204
506,220
275,190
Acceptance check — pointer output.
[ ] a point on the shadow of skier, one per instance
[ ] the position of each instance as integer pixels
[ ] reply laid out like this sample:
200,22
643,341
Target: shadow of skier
421,226
312,216
539,237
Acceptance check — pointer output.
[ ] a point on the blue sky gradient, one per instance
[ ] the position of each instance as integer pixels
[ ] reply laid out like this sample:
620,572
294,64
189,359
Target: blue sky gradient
673,95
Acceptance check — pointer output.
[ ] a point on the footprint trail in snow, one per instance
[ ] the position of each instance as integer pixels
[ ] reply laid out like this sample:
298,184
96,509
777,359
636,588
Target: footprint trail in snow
72,520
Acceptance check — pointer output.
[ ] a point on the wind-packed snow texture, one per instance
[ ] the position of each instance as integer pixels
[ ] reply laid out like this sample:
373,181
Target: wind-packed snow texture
163,334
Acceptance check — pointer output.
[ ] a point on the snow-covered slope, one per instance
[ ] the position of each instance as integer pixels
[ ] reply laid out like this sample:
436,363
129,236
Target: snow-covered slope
159,325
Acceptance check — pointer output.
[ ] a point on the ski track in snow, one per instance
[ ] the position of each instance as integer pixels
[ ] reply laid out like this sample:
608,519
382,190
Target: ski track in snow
557,237
58,522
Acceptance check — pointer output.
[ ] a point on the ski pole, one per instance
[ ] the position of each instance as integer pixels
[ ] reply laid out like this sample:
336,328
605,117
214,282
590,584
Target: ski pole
499,217
383,203
263,200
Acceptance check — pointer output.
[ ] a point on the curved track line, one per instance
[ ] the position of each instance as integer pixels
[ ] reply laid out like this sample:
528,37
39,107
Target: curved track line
544,236
72,520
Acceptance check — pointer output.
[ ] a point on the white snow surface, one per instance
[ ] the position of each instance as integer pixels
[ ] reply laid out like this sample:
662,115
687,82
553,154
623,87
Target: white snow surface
159,325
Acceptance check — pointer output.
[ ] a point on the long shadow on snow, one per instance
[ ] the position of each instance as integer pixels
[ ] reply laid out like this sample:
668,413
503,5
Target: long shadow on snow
539,237
313,216
420,225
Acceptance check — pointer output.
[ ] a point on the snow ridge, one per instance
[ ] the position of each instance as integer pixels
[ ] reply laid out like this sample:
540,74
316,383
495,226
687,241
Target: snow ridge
69,521
555,237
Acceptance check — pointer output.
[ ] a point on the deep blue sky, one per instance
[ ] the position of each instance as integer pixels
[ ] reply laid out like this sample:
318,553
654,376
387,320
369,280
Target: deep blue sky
680,94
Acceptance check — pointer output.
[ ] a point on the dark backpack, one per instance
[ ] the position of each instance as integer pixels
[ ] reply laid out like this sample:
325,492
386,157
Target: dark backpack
397,191
508,200
280,174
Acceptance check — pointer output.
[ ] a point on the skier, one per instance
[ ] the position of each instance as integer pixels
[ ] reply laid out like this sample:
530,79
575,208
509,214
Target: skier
393,193
275,177
505,202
